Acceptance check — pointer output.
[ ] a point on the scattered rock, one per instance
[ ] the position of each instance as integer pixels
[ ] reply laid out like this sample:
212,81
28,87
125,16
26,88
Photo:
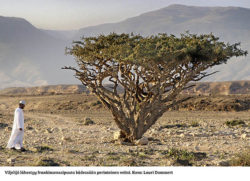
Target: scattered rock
170,162
54,129
33,149
29,128
192,134
243,136
142,141
182,135
11,160
66,139
49,138
197,148
88,121
224,163
117,135
8,129
109,129
49,130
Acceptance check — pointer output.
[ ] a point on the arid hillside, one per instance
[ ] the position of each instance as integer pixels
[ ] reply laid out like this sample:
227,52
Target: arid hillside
201,88
44,90
220,88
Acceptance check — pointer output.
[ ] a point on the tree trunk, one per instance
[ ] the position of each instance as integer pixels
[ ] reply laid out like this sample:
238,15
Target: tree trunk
132,129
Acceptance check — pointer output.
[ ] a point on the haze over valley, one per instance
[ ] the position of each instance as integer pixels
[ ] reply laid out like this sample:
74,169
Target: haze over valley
33,57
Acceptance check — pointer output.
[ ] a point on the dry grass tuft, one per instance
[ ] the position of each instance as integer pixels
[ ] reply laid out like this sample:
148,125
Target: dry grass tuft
46,162
235,123
242,159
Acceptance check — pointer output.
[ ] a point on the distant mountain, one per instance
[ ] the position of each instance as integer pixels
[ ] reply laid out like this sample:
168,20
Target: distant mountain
176,19
29,56
231,24
44,90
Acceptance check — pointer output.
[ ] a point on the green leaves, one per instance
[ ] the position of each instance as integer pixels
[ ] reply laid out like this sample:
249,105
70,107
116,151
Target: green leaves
154,49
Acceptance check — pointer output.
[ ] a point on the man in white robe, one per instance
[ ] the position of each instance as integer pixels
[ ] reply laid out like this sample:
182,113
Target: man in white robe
16,138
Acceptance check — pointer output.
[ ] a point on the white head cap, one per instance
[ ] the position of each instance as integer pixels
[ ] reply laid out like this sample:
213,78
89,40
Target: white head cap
22,102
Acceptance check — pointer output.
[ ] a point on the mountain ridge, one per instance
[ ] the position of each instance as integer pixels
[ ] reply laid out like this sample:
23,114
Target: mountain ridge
200,88
29,56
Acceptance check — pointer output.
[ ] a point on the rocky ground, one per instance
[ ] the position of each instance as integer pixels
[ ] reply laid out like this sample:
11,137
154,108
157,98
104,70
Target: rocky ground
56,133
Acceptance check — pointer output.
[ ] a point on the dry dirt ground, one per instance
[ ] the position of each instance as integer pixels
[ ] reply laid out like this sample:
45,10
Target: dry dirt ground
56,134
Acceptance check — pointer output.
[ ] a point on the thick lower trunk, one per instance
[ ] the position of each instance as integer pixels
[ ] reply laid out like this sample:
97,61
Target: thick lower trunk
133,128
132,134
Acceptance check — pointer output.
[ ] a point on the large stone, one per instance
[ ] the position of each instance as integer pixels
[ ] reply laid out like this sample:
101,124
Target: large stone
142,141
117,135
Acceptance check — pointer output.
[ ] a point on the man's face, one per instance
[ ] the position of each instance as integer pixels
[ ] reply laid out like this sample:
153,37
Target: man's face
21,106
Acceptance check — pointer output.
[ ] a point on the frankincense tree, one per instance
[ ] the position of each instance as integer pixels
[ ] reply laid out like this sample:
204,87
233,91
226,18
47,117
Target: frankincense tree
151,70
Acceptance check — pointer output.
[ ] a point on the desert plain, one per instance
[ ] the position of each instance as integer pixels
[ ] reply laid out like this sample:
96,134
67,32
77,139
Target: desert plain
76,130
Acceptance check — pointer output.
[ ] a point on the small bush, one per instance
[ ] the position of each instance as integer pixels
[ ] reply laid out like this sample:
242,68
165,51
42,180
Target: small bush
46,162
173,126
235,123
179,162
113,157
143,155
89,158
112,153
3,125
41,149
74,151
128,162
96,103
183,157
194,124
241,159
180,154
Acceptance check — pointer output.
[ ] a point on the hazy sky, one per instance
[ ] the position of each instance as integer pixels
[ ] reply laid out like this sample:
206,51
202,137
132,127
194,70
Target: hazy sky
75,14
